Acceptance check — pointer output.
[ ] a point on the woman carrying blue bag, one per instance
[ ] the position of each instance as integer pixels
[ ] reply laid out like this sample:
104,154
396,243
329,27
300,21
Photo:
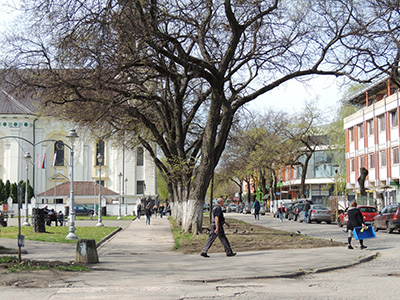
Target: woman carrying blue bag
355,220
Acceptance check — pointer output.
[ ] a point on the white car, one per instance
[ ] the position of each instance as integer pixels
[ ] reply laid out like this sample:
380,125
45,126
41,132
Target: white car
232,207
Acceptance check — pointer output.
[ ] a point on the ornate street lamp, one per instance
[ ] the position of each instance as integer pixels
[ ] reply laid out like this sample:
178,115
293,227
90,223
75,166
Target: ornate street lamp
125,197
120,196
72,235
100,160
27,158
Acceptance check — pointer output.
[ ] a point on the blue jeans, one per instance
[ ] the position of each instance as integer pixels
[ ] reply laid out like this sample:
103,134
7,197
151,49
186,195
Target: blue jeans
148,220
306,216
138,214
281,215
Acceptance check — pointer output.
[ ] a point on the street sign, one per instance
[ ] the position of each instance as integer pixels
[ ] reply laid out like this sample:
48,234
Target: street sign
21,240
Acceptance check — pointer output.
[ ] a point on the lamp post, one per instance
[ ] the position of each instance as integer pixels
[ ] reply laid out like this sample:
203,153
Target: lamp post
27,158
336,192
72,235
120,196
100,160
125,198
94,197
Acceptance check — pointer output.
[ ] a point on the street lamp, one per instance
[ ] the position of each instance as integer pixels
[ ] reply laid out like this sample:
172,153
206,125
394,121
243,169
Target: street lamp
120,196
94,197
27,157
100,160
72,235
336,191
125,197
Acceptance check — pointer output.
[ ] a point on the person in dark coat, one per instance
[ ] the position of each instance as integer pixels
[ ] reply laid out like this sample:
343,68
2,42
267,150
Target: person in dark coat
217,230
256,207
306,209
148,212
355,220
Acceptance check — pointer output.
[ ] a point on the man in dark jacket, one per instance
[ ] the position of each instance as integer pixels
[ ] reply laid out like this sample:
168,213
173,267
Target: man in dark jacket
217,230
355,220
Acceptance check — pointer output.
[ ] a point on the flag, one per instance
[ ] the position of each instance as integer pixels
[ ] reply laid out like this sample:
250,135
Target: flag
54,159
44,162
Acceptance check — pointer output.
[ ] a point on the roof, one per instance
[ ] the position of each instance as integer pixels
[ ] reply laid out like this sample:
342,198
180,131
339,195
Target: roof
81,188
10,105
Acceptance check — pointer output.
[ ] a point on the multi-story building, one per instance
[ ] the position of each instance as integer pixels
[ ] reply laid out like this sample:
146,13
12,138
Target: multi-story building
372,141
131,173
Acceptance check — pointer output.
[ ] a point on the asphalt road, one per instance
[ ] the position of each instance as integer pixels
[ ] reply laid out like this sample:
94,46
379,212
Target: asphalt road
376,279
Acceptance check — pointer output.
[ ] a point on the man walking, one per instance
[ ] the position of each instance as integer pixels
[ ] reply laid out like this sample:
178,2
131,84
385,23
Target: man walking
256,207
217,230
306,209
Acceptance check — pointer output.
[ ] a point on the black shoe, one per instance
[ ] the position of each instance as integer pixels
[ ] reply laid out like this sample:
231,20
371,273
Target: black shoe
204,254
231,254
363,247
350,247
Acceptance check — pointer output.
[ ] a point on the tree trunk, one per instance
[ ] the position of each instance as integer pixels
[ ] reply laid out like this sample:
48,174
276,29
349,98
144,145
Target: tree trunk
304,176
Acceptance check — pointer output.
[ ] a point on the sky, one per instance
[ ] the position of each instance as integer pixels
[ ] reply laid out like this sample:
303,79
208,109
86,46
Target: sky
290,96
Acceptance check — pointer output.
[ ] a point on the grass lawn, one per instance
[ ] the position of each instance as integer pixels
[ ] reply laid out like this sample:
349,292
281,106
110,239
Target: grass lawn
248,237
57,234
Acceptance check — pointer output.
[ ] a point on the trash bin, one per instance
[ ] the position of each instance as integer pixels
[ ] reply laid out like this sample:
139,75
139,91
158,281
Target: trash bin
38,223
66,211
104,211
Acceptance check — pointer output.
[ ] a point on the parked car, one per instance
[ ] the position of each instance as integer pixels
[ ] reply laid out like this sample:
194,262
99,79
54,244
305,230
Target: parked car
246,209
232,207
262,210
83,211
296,209
318,213
388,218
287,207
368,212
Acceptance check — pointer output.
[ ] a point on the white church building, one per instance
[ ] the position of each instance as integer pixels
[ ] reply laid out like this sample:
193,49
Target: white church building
37,148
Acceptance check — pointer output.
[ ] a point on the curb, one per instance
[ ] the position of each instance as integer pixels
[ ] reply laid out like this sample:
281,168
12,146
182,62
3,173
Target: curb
289,275
101,242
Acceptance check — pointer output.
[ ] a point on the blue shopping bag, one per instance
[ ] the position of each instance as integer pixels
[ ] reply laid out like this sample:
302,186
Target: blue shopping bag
367,233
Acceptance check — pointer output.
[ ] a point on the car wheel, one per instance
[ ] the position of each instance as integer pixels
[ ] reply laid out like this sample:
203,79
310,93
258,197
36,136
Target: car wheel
319,222
339,223
374,226
389,228
299,220
329,222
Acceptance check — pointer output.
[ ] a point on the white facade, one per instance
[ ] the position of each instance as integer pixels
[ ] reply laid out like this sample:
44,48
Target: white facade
23,133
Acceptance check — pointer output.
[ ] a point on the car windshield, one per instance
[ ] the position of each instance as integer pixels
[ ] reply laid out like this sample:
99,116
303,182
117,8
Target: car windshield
320,207
368,209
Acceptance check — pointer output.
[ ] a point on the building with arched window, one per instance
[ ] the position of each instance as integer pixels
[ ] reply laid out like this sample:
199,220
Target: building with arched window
129,172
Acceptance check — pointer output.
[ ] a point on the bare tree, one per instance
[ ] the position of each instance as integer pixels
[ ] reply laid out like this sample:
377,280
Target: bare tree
175,73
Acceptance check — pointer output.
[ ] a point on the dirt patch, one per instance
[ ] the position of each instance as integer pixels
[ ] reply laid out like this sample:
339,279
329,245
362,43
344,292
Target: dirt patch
247,237
30,278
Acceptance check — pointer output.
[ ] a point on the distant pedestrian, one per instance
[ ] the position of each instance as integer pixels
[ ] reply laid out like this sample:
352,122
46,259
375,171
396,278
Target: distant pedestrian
155,210
147,212
306,208
256,207
355,220
60,218
138,210
161,209
217,230
281,211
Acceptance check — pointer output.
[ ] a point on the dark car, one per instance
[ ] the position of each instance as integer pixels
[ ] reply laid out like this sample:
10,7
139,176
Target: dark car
296,209
83,211
368,212
388,218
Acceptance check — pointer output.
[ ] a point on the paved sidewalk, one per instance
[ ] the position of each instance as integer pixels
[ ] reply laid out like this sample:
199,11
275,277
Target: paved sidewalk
139,261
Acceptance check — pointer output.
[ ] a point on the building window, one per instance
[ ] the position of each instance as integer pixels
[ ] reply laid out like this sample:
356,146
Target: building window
362,161
139,156
58,159
395,155
383,158
360,131
100,150
372,161
381,123
371,127
395,121
140,187
351,133
352,167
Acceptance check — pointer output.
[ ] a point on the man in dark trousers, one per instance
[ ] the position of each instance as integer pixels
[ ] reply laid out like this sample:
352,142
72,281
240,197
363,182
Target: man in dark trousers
217,230
355,219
